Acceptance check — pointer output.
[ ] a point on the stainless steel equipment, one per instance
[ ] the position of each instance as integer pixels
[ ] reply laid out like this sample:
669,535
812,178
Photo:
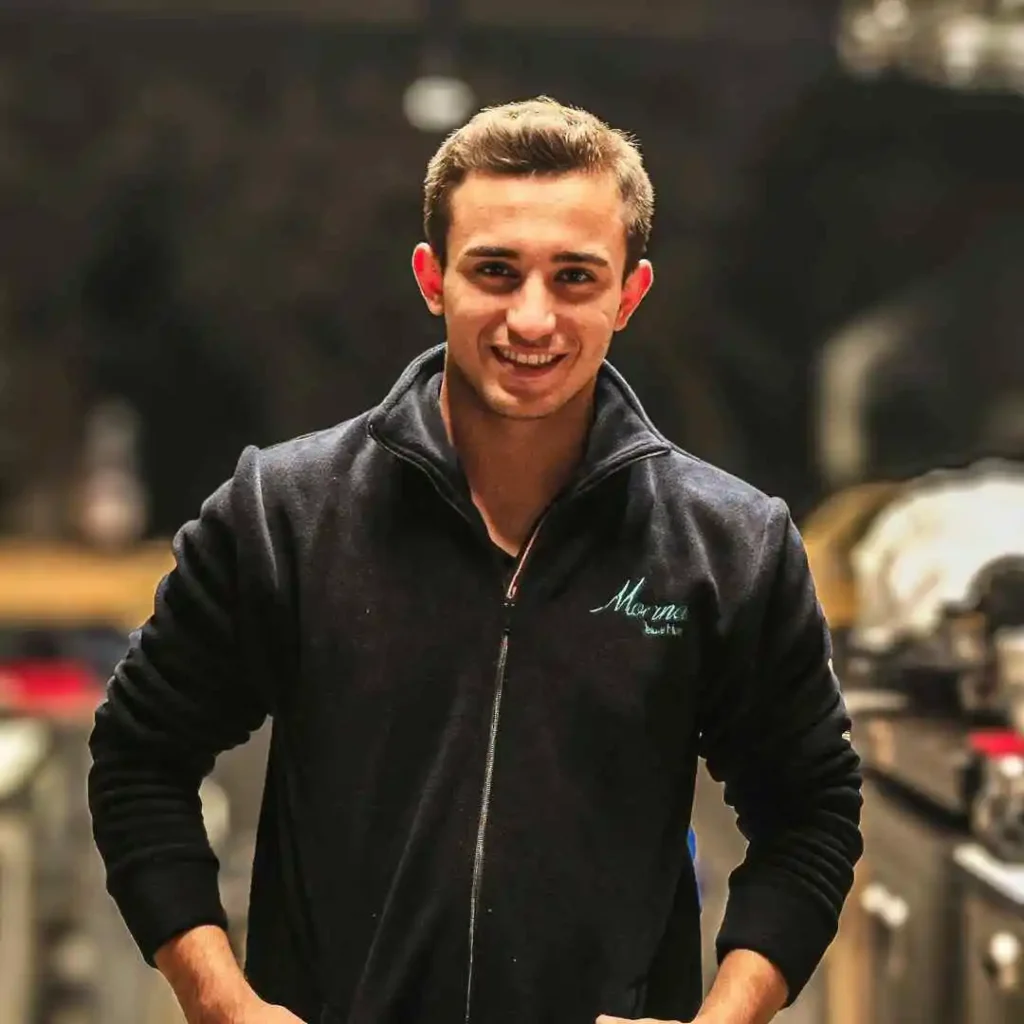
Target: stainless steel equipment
24,751
992,925
940,591
1010,660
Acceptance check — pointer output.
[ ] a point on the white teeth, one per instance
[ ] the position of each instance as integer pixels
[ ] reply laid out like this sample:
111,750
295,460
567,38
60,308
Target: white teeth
526,359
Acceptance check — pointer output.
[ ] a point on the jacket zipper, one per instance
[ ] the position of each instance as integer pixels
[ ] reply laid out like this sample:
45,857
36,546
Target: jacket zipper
492,741
499,681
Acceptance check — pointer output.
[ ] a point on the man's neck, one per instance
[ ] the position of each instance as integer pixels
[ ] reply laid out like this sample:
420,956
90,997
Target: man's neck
514,468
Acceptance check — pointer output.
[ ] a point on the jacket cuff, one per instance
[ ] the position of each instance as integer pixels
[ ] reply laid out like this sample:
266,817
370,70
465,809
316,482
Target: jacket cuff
162,900
788,928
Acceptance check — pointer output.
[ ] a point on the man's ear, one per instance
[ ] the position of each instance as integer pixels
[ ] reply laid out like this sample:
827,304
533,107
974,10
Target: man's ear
426,268
637,285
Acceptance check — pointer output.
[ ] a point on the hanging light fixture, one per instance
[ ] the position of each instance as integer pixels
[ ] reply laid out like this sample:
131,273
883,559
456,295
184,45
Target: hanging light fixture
439,99
872,34
437,103
960,44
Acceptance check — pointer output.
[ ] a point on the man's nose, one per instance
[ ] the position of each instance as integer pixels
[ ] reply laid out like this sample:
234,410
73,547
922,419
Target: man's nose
531,315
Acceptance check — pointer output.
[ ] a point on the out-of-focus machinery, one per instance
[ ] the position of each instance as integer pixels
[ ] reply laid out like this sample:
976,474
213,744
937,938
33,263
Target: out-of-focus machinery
830,533
923,584
23,751
65,955
940,627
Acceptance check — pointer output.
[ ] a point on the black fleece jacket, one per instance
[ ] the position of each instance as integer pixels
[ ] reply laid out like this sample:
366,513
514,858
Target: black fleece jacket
479,788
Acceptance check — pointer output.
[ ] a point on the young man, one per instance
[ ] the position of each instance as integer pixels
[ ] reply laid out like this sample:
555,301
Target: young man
496,620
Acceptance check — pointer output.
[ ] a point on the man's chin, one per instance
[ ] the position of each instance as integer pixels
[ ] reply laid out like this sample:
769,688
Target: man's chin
522,412
512,406
537,404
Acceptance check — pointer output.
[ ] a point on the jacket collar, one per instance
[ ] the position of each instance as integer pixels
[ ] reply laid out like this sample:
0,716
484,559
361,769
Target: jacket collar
408,423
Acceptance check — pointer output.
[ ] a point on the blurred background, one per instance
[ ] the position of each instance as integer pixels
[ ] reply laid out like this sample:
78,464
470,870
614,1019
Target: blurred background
207,209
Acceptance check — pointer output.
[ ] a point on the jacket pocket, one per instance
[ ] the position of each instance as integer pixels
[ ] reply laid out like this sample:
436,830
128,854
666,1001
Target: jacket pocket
639,992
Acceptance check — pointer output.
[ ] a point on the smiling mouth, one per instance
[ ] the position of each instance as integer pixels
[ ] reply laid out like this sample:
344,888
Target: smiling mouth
528,359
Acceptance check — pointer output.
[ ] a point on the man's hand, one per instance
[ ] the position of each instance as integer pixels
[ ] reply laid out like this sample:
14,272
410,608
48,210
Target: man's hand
748,989
211,988
252,1010
648,1020
261,1013
623,1020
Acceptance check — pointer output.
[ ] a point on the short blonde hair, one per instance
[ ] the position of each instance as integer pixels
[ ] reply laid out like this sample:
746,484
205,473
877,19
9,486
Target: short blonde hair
539,136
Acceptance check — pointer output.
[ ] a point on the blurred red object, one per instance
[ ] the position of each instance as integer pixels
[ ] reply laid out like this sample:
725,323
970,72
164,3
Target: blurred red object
49,689
997,743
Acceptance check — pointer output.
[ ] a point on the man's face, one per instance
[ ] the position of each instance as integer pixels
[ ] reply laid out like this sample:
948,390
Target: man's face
533,289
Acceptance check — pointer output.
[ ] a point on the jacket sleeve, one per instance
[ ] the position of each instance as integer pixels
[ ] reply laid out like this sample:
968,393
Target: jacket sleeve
182,693
776,732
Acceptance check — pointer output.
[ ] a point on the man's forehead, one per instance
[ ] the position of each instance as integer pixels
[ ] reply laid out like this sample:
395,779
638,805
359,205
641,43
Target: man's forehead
571,192
567,211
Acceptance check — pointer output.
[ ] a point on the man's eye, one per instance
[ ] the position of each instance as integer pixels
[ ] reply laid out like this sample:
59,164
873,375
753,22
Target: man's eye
495,270
575,275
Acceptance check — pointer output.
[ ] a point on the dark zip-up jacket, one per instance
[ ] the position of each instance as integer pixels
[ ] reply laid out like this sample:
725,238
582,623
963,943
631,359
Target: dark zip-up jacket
480,783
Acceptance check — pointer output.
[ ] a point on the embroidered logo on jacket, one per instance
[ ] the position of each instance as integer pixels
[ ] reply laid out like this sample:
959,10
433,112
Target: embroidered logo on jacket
657,619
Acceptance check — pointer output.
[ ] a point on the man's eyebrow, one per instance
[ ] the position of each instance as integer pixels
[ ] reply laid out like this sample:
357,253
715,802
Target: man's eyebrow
494,252
581,257
498,252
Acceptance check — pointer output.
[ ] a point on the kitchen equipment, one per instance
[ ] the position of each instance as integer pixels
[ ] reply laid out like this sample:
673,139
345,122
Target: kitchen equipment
940,592
1010,660
932,551
24,752
911,905
997,813
993,946
928,756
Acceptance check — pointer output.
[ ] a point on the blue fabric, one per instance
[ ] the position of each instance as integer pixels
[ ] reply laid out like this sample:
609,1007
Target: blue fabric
691,842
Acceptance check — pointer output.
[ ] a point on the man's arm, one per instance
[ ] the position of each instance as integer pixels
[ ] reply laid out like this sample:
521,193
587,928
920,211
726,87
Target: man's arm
210,987
747,990
185,691
775,730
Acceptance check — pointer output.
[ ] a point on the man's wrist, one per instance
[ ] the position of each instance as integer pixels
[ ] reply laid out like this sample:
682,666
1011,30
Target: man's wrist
225,1007
748,989
201,968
